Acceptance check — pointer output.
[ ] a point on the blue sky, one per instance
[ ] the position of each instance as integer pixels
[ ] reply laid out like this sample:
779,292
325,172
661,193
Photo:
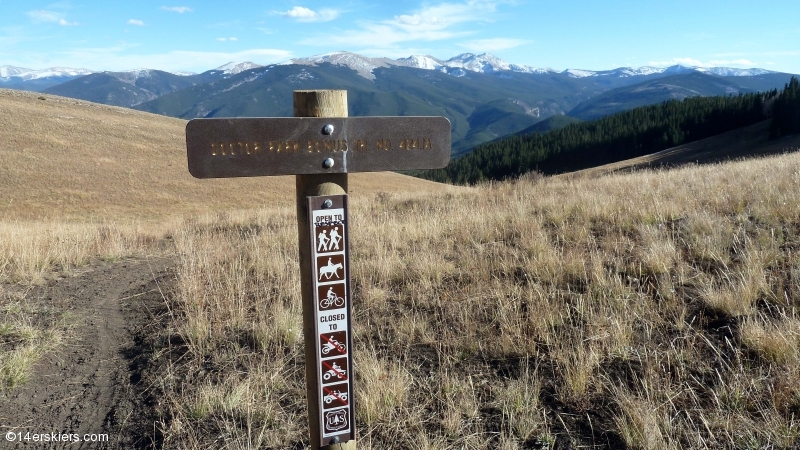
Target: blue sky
190,35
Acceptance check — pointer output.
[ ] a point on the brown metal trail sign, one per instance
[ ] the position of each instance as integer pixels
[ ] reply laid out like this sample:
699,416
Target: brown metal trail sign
321,145
222,148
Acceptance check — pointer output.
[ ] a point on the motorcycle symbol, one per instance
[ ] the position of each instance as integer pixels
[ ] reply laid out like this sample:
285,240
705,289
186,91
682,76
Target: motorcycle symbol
335,371
332,344
335,395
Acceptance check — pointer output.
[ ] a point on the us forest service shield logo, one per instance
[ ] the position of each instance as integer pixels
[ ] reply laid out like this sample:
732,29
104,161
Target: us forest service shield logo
335,420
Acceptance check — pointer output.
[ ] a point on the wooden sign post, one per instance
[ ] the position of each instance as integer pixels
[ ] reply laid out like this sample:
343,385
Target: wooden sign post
320,145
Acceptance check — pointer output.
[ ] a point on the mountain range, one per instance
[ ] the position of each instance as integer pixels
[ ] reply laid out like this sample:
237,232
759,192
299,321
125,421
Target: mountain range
37,80
483,96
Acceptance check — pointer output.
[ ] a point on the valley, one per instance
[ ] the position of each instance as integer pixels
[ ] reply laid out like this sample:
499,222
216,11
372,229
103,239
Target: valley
484,97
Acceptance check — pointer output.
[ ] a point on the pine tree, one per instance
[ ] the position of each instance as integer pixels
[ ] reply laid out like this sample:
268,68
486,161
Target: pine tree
786,111
617,137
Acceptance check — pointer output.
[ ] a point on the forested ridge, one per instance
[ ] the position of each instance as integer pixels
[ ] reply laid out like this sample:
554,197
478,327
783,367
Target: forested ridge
624,135
786,111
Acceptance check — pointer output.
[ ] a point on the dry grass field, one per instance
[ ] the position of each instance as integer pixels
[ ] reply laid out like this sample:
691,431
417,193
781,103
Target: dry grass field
653,310
648,310
73,160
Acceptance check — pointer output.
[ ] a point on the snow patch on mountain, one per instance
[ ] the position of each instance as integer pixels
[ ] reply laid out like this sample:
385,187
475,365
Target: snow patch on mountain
486,63
249,79
30,74
646,70
139,73
457,66
422,62
233,68
11,71
131,76
730,72
55,72
578,73
362,64
671,70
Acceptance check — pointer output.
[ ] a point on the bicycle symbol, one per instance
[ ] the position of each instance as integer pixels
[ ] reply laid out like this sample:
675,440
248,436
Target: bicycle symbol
333,297
327,302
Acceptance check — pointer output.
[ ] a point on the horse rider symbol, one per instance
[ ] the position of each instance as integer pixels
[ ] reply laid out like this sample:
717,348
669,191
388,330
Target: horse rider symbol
330,270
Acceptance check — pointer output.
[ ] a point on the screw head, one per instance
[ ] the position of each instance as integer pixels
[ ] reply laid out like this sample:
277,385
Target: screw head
328,163
335,440
327,203
327,129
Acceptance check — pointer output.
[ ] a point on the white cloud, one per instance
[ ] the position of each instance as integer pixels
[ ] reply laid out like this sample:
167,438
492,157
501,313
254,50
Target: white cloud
43,16
678,61
177,9
492,45
223,39
735,62
302,14
226,25
697,63
783,53
136,22
431,23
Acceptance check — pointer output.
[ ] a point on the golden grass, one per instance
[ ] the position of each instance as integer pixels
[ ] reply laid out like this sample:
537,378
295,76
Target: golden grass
83,181
27,332
67,159
31,251
657,309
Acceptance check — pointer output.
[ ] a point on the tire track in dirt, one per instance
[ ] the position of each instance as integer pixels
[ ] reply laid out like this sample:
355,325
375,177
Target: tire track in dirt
88,385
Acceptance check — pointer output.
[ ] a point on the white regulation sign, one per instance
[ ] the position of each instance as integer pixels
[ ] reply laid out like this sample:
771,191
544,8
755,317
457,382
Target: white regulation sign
330,265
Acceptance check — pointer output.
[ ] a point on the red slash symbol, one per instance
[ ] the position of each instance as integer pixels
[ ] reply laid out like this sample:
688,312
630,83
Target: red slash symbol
334,370
331,395
332,344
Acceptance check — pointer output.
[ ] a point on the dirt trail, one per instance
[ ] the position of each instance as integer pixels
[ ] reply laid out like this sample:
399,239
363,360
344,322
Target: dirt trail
89,385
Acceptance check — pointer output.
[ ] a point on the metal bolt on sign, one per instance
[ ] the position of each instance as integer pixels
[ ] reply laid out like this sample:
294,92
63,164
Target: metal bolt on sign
320,146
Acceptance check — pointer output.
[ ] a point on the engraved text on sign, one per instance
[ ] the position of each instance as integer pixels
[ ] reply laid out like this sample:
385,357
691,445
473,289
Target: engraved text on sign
246,147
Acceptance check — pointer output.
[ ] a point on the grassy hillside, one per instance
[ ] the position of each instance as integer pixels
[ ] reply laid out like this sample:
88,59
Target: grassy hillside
653,310
67,158
740,143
